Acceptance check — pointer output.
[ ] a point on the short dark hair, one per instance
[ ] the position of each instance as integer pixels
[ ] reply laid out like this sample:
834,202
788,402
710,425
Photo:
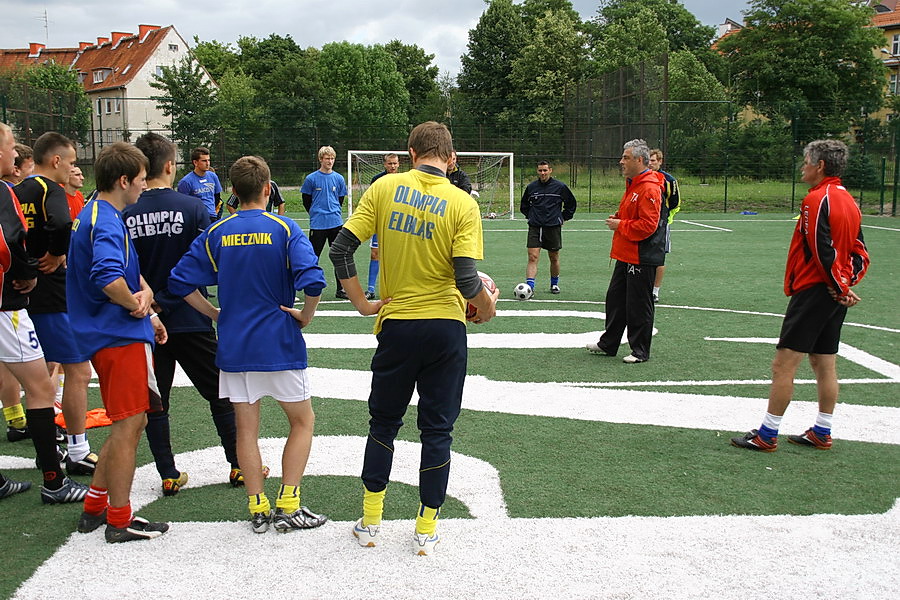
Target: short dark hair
431,140
544,162
48,145
249,175
199,151
116,160
158,150
24,153
833,152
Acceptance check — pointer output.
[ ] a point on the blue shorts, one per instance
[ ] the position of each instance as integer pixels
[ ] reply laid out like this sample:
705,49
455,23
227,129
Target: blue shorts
57,338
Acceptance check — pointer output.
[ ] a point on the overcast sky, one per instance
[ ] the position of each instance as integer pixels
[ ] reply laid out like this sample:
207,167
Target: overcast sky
440,27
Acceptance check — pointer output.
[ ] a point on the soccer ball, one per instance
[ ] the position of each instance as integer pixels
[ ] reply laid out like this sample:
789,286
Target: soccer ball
523,291
471,311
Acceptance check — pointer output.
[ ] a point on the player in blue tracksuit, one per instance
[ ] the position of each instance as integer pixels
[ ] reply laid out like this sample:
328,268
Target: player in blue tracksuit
259,260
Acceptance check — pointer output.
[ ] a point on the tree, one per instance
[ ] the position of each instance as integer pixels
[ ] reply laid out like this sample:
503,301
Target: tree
364,89
188,98
809,62
217,58
68,112
682,29
635,37
552,60
419,77
494,45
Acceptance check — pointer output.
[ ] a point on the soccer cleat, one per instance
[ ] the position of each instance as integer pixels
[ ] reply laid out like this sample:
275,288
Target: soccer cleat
71,491
424,544
812,439
236,477
370,295
171,486
139,529
259,522
753,441
595,348
554,289
655,298
85,466
631,359
366,536
61,453
14,434
341,295
299,519
88,522
11,487
61,435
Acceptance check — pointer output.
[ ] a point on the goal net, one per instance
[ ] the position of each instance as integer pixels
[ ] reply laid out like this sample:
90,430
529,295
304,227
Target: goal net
491,174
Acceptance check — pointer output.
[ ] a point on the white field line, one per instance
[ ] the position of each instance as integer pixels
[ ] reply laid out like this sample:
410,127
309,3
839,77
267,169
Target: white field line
705,225
881,228
490,556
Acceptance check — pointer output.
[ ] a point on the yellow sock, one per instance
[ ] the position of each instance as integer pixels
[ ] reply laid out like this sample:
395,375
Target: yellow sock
288,498
373,506
15,416
426,521
258,503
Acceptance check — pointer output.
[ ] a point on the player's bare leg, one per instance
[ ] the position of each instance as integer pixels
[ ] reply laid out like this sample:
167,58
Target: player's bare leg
296,449
825,368
784,367
534,255
247,419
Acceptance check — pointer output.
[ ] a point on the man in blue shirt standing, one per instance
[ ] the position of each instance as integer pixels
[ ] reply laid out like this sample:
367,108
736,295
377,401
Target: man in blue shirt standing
323,193
203,183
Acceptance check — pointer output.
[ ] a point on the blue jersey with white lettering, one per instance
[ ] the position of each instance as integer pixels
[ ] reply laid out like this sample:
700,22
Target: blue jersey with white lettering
162,226
259,260
326,189
101,252
205,188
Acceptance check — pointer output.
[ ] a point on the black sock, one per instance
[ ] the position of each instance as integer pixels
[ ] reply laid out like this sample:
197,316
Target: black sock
43,435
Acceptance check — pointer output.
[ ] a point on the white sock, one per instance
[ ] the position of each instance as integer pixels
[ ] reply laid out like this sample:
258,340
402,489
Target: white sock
656,291
79,447
772,421
824,420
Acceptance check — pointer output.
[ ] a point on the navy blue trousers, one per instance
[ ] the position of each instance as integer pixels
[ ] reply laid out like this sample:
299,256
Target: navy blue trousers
428,355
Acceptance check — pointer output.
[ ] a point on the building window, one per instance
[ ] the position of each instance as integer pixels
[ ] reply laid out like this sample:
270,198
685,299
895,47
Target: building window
173,47
109,136
159,71
81,76
109,106
99,107
99,75
895,44
892,87
118,105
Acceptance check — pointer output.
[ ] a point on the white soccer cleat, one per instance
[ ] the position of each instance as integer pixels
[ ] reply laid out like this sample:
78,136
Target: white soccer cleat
424,544
367,537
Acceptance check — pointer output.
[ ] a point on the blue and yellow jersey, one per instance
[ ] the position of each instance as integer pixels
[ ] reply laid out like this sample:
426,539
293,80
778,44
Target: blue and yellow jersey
671,195
259,261
100,252
423,222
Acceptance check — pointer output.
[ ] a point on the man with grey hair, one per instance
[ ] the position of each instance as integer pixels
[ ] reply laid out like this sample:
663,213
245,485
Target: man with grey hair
638,247
826,258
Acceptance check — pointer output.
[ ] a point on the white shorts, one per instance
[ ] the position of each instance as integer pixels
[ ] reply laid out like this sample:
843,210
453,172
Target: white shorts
18,341
250,386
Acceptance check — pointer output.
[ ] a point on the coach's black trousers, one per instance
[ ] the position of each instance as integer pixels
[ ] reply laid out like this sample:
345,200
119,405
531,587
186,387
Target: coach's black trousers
318,237
428,355
629,303
196,353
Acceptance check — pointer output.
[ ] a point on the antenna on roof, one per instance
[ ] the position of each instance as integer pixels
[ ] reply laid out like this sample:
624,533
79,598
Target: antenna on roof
46,21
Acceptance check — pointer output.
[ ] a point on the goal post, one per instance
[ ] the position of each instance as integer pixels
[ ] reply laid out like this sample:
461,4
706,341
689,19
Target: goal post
491,174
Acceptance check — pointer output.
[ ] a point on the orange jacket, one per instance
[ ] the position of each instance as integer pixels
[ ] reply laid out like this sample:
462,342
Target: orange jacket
640,237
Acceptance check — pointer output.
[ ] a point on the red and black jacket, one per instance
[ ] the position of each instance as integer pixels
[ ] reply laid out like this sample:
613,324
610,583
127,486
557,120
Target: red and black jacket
641,235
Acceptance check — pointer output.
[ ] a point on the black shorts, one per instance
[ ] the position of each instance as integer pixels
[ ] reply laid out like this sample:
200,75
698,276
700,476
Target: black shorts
548,238
812,322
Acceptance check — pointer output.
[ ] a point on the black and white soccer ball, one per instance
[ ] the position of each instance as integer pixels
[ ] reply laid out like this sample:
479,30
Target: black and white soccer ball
523,291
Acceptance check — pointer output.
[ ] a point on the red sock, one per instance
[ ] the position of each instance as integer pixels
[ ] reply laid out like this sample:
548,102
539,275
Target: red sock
96,501
119,516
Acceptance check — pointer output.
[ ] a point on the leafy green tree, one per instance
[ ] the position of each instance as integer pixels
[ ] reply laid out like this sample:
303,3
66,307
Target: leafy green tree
552,60
365,90
217,58
810,62
238,113
682,29
532,10
419,77
188,98
634,37
494,45
68,113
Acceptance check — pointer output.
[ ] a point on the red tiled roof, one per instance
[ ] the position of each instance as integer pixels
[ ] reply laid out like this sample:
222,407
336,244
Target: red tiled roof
130,50
886,19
